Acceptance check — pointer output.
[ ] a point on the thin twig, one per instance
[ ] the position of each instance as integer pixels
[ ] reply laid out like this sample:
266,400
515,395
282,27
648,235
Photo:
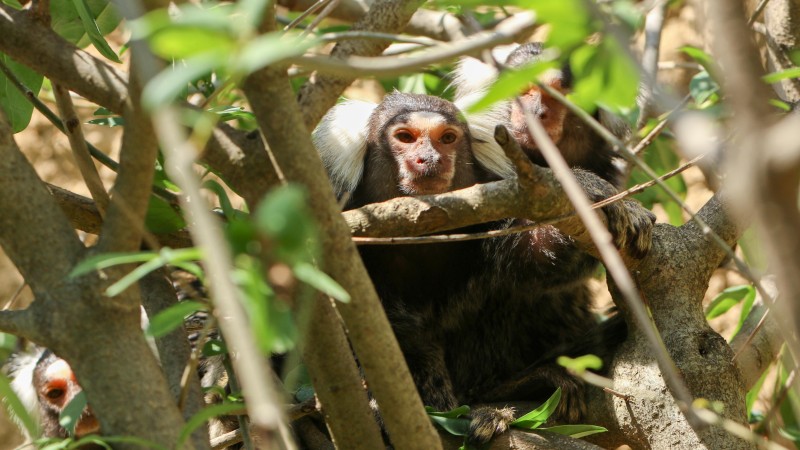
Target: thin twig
56,121
647,140
623,150
345,35
80,151
756,12
332,4
652,29
11,301
306,13
612,261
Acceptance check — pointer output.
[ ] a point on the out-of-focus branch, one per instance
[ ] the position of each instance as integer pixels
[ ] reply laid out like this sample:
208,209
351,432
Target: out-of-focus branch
321,91
652,41
439,25
357,66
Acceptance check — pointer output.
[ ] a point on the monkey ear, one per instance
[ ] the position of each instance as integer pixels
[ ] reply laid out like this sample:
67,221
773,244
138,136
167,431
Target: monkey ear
19,368
341,140
481,125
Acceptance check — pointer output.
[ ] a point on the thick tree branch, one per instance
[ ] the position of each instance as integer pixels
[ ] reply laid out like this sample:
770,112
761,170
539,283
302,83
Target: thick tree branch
242,161
321,91
41,49
124,225
33,230
369,330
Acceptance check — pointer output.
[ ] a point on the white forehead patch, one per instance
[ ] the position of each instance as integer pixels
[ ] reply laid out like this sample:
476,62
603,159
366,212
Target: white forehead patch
426,119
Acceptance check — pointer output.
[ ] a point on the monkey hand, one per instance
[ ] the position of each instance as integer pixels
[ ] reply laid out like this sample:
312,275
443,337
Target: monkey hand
488,422
630,223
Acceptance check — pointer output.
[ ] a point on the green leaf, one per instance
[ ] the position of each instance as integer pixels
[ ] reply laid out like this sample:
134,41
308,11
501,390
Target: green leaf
162,218
16,106
105,260
539,416
68,22
214,347
511,83
702,58
284,216
16,408
320,281
224,201
728,298
269,49
412,84
171,82
271,318
93,31
575,431
72,412
451,421
182,42
165,257
752,394
581,364
203,416
113,121
702,87
173,317
462,410
781,75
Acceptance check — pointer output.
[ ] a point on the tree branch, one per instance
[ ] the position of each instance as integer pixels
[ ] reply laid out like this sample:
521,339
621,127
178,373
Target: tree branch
321,91
33,230
41,49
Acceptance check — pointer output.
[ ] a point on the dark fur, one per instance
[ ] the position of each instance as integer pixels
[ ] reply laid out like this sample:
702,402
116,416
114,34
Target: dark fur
477,320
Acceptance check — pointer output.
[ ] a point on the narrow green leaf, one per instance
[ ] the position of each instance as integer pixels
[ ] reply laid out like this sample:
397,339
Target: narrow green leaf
173,317
15,406
224,201
320,281
202,417
93,31
106,260
781,75
462,410
165,256
168,85
581,364
511,83
575,431
699,55
269,49
726,299
72,412
539,416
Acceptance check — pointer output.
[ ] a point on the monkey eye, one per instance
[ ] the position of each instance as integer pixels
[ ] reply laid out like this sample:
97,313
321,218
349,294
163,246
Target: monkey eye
448,138
55,393
405,137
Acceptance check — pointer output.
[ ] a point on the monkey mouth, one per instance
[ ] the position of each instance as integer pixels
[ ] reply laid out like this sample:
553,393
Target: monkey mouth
425,185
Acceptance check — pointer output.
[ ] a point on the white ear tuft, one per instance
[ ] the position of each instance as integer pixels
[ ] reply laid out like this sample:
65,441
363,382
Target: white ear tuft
20,370
487,151
341,140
